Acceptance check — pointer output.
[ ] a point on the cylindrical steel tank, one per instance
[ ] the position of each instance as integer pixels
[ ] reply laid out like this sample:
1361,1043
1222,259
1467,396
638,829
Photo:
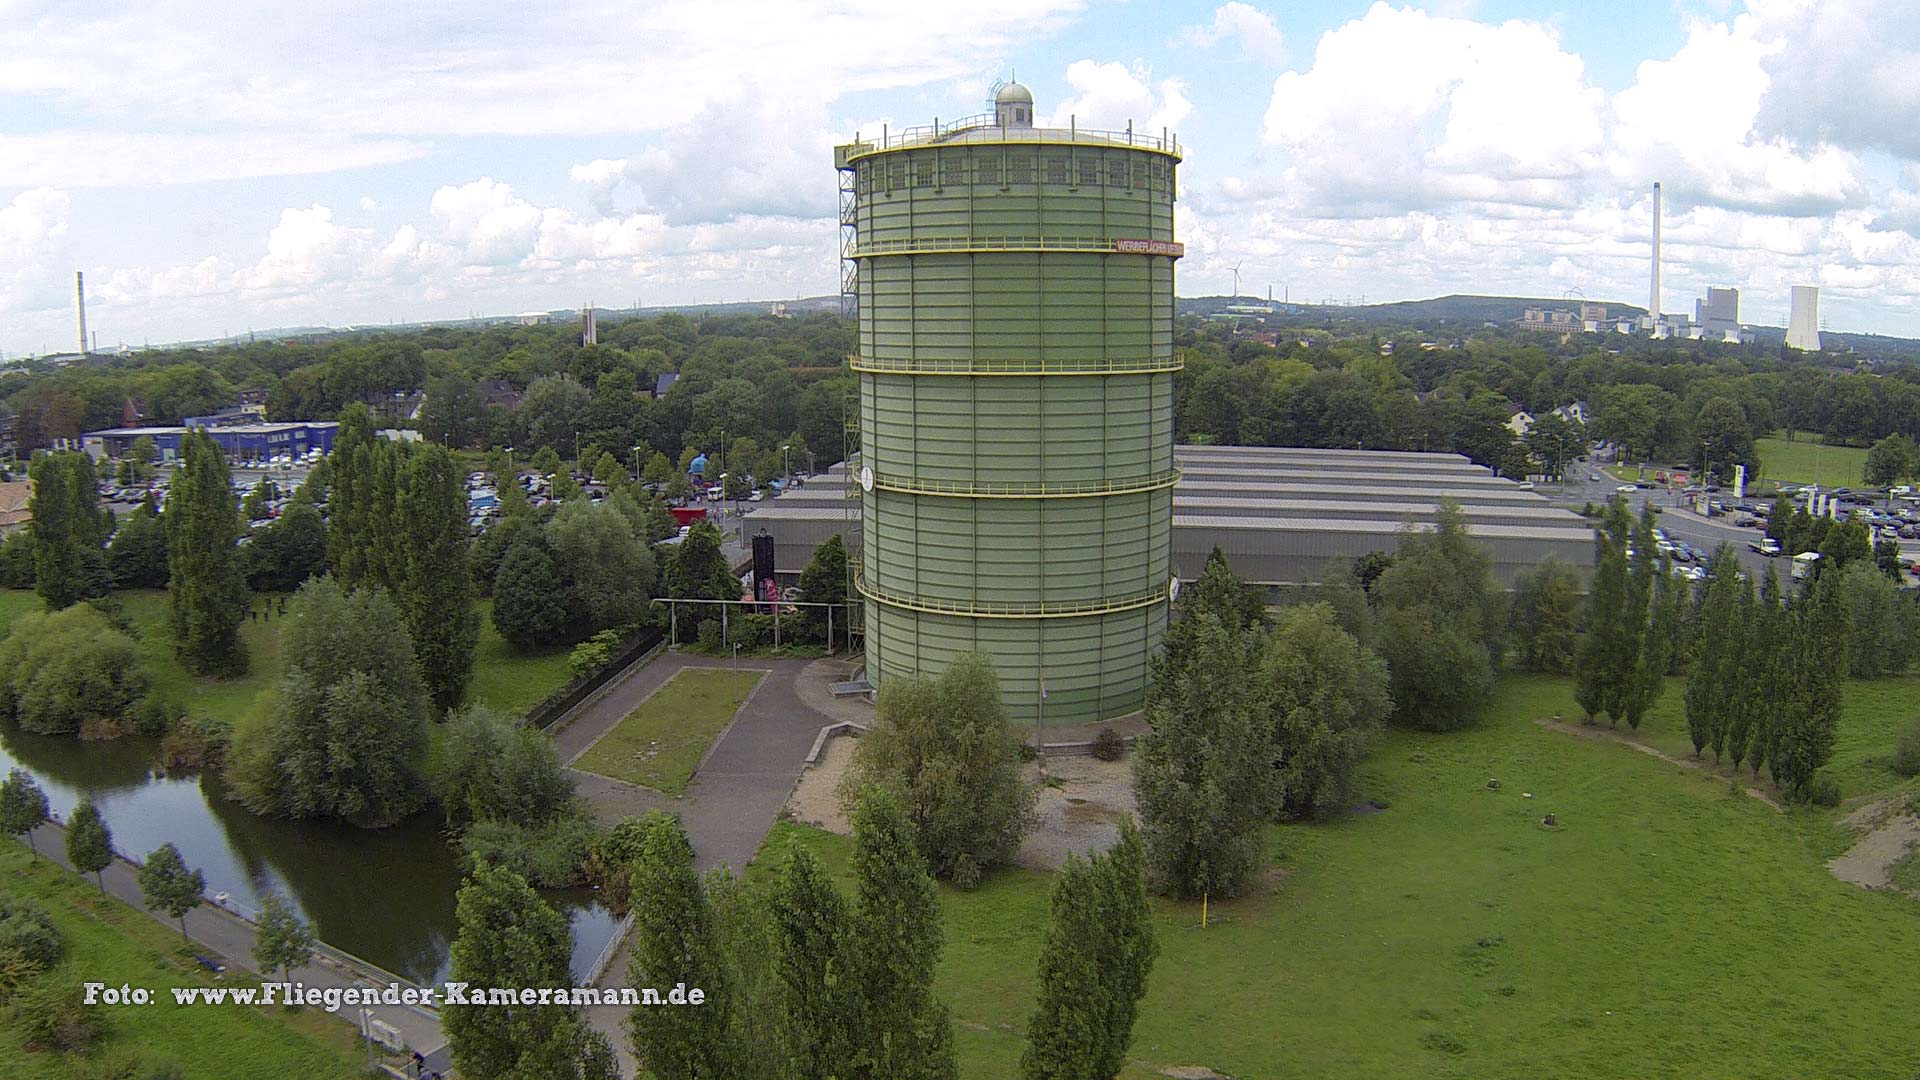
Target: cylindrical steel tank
1015,358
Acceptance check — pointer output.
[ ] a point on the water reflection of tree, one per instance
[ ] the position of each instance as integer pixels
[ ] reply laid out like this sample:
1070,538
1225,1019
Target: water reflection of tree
387,896
96,768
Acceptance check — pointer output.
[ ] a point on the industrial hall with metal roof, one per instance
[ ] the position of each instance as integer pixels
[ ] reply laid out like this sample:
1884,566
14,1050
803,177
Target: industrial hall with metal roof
1282,516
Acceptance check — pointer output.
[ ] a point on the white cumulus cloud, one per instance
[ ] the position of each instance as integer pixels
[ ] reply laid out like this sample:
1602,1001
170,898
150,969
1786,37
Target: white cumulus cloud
1258,37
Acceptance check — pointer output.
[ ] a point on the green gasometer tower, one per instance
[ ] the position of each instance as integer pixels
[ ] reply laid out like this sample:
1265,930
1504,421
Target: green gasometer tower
1015,468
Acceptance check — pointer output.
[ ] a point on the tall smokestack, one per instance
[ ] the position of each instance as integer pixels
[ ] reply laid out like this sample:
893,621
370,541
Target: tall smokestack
1653,296
80,305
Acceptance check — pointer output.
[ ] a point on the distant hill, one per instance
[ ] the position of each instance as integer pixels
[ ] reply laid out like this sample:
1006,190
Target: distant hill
1449,311
1462,312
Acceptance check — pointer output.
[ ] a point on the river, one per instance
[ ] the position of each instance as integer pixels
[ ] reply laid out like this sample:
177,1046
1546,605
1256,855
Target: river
387,896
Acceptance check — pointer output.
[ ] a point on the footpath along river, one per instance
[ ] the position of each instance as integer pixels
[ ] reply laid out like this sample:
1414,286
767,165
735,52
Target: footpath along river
387,896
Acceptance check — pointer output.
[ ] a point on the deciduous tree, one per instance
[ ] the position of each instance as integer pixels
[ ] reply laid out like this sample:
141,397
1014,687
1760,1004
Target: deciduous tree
89,842
942,746
347,734
905,1032
282,942
1328,701
1094,964
674,939
1203,773
23,806
510,937
167,885
68,528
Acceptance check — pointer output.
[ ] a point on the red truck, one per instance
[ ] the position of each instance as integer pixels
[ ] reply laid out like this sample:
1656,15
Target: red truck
687,515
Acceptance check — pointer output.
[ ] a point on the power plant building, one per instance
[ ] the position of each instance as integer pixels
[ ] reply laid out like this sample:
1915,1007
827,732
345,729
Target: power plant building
1718,315
1015,469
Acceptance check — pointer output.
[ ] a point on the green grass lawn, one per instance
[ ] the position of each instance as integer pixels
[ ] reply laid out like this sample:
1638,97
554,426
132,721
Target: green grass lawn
1665,928
110,942
1906,872
510,682
1806,461
661,742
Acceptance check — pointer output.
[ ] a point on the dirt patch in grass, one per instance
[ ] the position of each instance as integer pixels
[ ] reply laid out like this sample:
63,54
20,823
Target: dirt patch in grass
1078,811
1884,857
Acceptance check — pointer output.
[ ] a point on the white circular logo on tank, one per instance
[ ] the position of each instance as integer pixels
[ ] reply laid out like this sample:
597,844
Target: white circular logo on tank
866,478
1173,590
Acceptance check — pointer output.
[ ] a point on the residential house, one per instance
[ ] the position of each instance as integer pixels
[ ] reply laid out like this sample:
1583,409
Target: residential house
1519,421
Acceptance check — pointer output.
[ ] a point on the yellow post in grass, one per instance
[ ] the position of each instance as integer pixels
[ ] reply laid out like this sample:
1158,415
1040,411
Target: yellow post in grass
1203,910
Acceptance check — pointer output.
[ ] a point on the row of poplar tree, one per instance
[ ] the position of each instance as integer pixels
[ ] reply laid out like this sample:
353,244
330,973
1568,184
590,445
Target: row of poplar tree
797,981
1765,680
1765,686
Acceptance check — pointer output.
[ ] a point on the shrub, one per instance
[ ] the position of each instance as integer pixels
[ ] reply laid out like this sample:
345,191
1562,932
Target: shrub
53,1015
16,561
710,636
1822,790
1906,752
121,1063
596,652
489,768
154,716
62,669
560,851
609,866
197,742
16,971
941,745
752,631
1108,745
552,856
27,930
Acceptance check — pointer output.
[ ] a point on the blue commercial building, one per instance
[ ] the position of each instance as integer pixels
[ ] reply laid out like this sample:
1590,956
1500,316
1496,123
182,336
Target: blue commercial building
242,442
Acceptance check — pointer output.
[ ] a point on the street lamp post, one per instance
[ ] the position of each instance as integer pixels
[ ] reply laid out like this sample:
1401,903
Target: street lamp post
636,464
786,475
736,673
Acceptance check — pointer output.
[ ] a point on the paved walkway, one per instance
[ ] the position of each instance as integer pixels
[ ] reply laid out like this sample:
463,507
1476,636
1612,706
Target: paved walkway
226,935
734,796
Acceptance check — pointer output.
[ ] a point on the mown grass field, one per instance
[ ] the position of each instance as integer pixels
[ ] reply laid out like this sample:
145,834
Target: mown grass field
1806,461
510,682
110,942
1666,927
660,743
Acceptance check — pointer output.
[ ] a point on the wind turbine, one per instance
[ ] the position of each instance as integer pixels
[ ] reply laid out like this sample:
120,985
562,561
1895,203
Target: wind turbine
1236,281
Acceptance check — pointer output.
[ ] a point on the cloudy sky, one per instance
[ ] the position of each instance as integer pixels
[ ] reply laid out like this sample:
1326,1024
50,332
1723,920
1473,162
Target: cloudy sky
215,167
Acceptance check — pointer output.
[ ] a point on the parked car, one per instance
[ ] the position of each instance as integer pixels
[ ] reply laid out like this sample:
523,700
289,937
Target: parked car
1593,478
1627,489
1747,522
